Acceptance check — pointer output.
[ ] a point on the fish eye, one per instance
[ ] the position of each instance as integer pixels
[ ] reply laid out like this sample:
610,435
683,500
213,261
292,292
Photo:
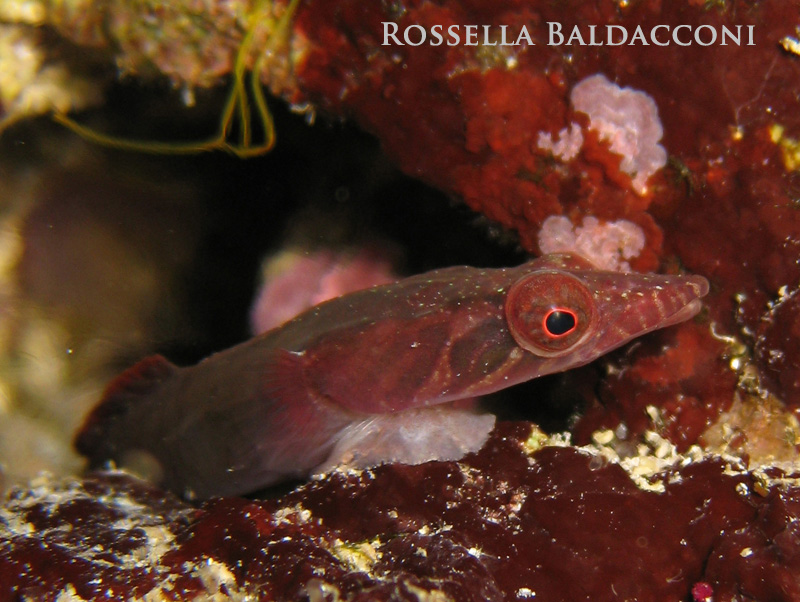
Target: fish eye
550,312
559,322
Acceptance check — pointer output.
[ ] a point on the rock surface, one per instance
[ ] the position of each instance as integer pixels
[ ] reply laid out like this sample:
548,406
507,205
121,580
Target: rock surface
525,518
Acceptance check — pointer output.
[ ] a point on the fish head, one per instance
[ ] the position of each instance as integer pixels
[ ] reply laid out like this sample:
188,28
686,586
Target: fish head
570,314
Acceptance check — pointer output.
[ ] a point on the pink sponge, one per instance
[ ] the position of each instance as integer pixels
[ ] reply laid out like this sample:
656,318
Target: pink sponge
608,246
628,120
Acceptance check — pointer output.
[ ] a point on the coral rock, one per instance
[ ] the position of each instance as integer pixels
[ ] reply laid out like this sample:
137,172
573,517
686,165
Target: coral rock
522,517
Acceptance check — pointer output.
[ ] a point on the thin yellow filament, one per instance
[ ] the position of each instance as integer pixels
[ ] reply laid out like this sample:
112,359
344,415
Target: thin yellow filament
237,105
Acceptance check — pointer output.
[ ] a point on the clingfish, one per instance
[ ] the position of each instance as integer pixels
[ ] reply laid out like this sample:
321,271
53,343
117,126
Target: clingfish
380,375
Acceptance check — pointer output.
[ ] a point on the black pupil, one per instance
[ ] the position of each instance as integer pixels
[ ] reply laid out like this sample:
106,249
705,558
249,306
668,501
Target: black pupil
559,322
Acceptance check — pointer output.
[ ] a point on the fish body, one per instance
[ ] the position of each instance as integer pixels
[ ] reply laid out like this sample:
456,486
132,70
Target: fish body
377,375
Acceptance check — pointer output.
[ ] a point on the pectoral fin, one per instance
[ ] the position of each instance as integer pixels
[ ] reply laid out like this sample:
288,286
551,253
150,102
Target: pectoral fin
413,436
279,432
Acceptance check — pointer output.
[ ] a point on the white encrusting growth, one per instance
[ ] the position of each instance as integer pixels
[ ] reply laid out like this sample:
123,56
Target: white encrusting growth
628,120
608,245
568,144
625,118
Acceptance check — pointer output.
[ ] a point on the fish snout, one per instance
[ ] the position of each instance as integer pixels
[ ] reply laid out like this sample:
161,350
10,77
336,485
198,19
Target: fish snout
630,305
699,284
679,300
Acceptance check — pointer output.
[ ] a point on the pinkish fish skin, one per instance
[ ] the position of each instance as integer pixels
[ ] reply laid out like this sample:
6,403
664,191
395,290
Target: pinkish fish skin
375,375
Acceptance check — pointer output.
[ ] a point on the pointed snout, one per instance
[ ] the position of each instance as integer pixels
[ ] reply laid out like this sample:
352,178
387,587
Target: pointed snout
630,305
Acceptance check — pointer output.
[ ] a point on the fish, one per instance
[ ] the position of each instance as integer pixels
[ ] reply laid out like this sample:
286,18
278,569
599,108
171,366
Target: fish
386,374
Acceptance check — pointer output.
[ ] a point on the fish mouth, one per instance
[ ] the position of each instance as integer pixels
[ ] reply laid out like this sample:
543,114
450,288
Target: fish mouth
692,290
689,310
700,287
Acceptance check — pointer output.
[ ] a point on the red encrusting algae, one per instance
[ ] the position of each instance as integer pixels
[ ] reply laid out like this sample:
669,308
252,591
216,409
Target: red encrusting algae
506,523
